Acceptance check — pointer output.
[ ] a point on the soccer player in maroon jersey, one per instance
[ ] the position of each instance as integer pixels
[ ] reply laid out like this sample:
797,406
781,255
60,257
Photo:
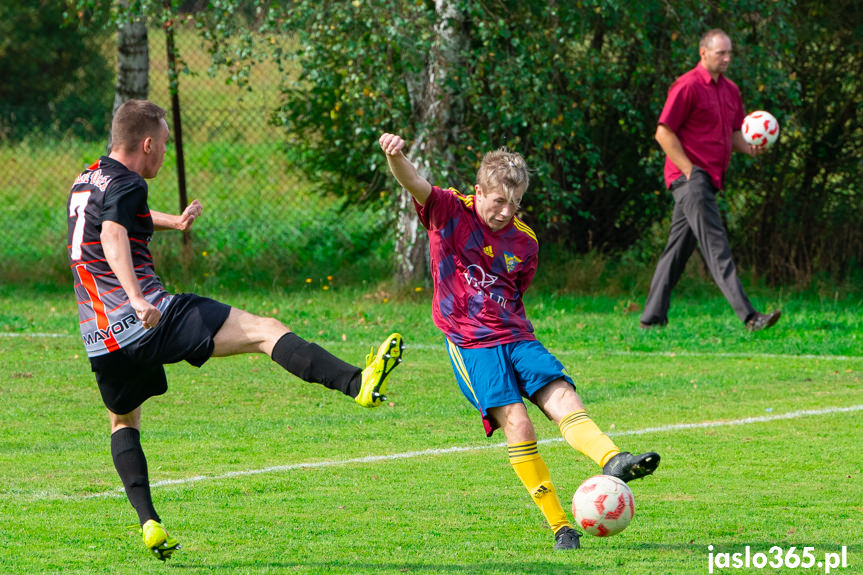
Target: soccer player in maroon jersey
483,259
131,326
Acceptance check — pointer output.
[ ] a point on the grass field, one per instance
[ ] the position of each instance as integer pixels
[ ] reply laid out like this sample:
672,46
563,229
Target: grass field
257,472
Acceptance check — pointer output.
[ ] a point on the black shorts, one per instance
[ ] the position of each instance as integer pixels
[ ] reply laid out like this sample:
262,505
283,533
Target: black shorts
128,376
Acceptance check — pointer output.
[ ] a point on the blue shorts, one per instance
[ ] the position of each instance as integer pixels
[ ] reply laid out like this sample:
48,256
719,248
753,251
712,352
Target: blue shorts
503,374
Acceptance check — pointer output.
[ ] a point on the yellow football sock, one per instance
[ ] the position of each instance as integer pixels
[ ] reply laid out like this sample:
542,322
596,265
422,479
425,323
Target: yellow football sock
582,433
533,472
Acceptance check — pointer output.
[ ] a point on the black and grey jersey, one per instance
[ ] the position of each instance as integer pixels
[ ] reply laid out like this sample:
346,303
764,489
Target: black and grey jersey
107,190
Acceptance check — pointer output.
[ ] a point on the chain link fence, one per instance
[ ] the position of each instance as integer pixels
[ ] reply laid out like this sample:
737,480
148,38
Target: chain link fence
262,224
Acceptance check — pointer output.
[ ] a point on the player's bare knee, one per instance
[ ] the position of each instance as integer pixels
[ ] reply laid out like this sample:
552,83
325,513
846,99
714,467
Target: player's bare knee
272,328
518,429
558,399
118,421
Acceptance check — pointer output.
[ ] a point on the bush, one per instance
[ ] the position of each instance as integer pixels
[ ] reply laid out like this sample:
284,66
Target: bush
55,77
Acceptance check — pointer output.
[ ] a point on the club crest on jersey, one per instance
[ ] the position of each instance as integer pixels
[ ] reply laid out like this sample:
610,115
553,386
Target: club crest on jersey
511,261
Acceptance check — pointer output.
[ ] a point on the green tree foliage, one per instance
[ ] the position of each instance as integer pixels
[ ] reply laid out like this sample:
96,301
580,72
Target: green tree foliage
576,87
799,208
55,77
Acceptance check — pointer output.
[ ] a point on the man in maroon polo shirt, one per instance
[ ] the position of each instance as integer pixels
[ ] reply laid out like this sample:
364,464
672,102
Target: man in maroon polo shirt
698,128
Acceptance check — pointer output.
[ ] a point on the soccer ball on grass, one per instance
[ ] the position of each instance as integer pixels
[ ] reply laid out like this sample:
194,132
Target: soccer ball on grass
760,129
603,505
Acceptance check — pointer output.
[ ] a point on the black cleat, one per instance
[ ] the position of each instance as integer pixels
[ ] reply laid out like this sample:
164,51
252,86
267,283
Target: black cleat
626,466
566,538
761,321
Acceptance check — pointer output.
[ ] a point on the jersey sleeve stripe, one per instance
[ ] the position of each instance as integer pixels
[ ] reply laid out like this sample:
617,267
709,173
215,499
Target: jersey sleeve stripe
520,225
466,200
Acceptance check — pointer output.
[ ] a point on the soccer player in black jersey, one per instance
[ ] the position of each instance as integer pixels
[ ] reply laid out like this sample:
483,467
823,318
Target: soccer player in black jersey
131,326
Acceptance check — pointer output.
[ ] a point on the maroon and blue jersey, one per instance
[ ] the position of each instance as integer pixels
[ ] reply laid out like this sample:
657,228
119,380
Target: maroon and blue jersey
479,275
107,190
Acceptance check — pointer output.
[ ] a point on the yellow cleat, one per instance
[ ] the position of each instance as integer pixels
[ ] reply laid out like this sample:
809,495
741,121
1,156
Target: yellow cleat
378,366
157,540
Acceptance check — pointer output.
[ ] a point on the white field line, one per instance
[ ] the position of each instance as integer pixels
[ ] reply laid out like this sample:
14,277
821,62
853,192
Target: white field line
430,452
37,334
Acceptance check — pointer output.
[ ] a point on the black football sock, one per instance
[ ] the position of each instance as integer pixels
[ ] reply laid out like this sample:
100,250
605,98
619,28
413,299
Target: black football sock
131,465
310,362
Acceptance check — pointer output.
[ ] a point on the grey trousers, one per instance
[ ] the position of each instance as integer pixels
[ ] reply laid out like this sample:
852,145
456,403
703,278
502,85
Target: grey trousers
695,221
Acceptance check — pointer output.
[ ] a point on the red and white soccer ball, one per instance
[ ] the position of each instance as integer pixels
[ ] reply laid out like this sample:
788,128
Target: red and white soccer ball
603,505
760,129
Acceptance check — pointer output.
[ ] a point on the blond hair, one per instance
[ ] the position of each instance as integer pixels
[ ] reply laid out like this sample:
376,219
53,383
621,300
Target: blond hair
134,121
503,170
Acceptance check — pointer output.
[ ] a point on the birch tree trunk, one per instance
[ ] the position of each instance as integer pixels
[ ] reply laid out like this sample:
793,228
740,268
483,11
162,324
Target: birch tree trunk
133,65
437,113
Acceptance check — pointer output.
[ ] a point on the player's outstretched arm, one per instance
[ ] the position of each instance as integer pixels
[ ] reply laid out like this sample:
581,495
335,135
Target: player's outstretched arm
402,169
183,222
